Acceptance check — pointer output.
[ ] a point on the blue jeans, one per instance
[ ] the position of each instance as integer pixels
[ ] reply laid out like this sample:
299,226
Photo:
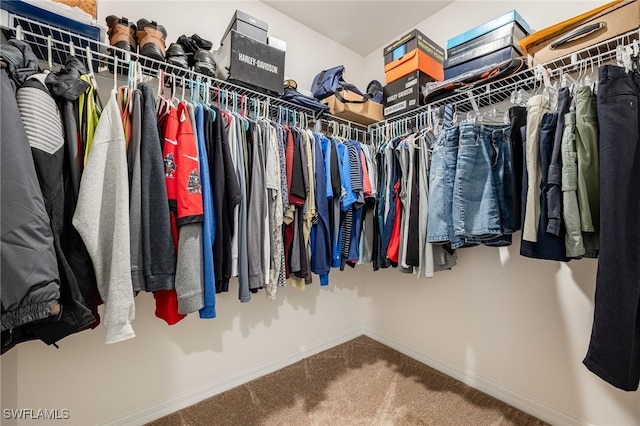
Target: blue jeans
441,180
614,350
483,194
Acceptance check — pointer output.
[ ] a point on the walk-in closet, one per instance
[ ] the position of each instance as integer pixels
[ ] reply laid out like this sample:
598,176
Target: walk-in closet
491,298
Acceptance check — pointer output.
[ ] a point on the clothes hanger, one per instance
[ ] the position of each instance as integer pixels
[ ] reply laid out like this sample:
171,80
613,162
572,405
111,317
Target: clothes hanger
49,54
115,73
92,76
164,104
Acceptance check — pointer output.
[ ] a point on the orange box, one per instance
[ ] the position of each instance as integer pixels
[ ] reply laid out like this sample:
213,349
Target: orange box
415,60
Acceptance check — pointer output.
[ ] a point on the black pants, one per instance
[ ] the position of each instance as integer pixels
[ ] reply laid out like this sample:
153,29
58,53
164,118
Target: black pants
614,350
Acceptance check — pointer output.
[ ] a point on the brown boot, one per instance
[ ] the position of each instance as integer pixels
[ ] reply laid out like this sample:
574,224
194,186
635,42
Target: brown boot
122,33
152,39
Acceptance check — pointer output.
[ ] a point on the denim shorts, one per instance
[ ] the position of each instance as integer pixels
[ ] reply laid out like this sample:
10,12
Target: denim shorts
482,207
441,180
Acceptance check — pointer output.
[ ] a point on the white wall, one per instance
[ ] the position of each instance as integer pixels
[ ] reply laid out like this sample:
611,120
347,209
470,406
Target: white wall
522,324
308,52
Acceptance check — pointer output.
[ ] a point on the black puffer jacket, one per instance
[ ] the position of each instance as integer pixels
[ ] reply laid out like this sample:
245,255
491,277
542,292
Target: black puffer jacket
30,288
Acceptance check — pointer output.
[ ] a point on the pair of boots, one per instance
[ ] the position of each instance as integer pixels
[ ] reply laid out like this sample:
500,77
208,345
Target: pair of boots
193,52
147,37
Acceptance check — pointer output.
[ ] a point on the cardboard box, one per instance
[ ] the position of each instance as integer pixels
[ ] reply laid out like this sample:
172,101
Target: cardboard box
496,57
366,113
414,51
416,60
511,29
250,63
404,94
248,25
88,6
487,27
609,21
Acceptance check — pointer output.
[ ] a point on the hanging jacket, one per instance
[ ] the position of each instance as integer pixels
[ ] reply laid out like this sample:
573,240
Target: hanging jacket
135,193
102,219
68,86
167,300
320,236
226,196
30,288
43,123
159,256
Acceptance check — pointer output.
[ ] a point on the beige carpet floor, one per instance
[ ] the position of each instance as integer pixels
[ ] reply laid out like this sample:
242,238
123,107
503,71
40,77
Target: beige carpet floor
361,382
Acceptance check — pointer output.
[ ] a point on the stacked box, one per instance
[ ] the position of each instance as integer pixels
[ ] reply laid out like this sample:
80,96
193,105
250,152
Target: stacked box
490,43
413,52
244,57
404,94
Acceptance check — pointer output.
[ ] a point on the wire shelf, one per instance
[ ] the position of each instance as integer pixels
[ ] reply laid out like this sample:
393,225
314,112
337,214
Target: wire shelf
106,60
484,95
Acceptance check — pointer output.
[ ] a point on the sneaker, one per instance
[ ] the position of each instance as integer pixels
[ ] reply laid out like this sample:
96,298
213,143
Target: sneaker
204,63
151,37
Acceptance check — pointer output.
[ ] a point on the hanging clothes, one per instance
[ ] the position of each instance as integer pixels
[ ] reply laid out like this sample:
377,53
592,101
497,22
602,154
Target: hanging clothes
185,195
31,281
208,221
105,224
159,256
68,86
588,179
226,195
614,348
135,193
547,245
43,124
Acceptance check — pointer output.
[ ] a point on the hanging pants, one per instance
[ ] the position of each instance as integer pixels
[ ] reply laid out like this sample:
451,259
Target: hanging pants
614,350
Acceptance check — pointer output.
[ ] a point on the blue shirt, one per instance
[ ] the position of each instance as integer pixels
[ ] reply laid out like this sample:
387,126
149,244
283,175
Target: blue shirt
209,224
320,235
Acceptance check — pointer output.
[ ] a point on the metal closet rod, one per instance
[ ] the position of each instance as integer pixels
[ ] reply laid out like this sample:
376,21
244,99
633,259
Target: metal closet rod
498,91
103,52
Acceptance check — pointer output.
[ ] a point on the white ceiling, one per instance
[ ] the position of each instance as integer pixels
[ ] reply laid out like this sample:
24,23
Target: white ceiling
360,25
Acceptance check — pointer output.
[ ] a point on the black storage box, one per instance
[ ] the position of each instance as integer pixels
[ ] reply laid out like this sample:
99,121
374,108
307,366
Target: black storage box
404,94
250,63
249,26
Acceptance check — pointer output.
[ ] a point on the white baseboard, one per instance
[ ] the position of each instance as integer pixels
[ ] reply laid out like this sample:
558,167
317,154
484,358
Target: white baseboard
510,396
185,399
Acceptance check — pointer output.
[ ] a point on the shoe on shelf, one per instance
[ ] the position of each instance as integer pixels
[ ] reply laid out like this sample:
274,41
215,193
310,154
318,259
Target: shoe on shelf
176,56
204,63
122,33
202,43
151,38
